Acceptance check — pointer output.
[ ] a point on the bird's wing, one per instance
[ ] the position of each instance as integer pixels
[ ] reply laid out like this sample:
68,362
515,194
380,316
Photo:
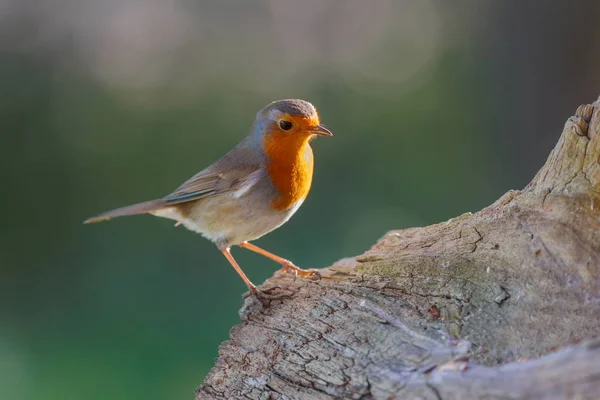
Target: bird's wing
212,182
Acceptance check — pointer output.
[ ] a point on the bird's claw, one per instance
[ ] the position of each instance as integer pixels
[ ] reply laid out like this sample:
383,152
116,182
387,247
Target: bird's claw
265,294
303,273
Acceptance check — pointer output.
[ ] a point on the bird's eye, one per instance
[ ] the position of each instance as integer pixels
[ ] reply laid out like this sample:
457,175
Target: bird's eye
285,125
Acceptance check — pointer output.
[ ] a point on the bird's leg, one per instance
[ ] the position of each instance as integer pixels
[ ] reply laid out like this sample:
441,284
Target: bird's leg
286,264
253,289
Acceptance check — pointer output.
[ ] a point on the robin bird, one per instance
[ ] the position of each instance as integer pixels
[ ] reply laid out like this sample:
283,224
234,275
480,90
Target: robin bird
250,191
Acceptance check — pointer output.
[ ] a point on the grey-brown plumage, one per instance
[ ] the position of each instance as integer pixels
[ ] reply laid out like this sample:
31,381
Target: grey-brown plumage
251,190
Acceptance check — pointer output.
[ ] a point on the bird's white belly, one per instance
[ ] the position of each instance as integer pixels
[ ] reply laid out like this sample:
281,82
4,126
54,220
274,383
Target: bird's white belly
230,221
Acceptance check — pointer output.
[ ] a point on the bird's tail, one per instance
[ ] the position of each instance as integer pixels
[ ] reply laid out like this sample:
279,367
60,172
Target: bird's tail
135,209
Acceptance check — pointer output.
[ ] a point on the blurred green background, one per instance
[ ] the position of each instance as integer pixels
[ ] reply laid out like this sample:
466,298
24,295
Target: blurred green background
438,108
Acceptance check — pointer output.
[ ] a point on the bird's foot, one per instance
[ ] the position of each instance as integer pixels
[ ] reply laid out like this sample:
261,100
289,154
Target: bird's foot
265,294
311,273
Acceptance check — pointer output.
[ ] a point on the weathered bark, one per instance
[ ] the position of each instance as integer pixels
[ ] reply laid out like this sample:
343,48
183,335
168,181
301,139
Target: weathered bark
459,310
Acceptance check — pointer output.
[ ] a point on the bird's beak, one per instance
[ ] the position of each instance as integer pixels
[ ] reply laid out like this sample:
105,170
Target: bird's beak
321,131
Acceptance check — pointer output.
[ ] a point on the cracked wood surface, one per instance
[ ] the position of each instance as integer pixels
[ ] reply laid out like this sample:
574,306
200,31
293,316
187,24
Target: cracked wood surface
474,307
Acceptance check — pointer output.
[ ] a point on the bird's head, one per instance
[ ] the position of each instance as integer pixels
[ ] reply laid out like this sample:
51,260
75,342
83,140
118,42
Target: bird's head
291,120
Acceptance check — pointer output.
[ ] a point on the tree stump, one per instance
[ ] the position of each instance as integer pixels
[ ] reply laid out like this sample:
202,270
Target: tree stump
500,304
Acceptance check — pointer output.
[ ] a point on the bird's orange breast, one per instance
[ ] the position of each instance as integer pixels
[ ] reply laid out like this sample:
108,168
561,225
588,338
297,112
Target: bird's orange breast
290,167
